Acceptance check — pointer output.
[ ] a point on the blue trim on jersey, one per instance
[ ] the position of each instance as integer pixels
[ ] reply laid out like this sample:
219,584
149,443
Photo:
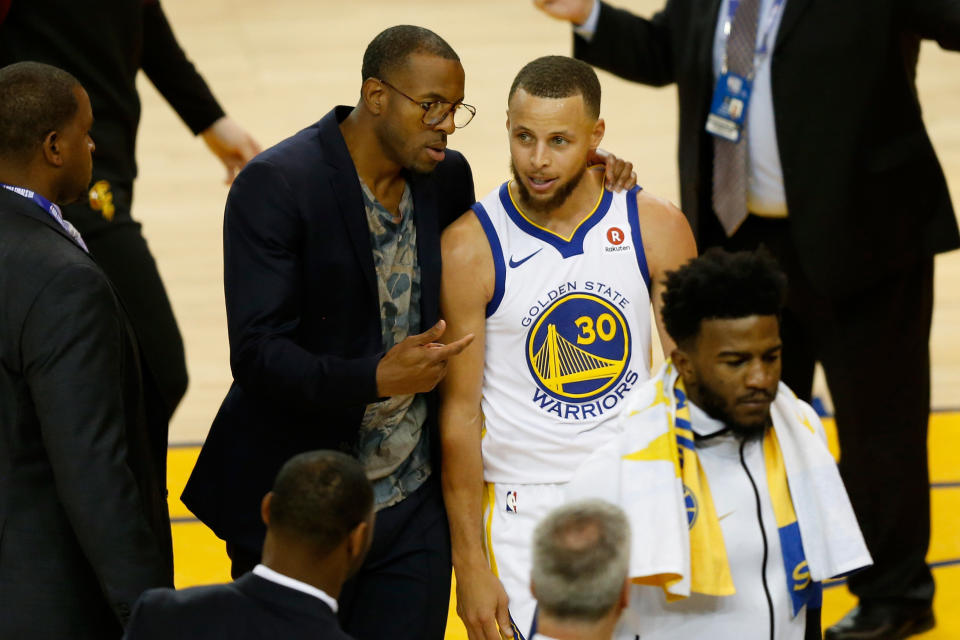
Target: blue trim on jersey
633,216
567,248
499,270
516,630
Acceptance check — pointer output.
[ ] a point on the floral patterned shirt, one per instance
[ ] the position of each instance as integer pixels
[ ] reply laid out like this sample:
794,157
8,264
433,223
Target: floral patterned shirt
393,445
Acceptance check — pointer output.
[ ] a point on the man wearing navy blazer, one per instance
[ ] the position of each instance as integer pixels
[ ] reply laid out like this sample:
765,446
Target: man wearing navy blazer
319,520
84,527
332,271
833,171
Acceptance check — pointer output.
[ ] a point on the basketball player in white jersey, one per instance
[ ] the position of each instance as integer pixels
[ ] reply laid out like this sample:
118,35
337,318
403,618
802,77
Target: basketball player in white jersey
555,277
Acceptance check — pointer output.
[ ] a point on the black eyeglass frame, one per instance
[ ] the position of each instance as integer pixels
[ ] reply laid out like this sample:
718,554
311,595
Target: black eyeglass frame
426,105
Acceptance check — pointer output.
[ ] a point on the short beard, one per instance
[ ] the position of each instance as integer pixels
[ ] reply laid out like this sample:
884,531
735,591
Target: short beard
555,201
714,406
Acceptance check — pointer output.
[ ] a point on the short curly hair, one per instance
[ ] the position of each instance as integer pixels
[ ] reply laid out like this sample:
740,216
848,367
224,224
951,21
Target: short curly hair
319,497
559,77
720,284
391,47
35,99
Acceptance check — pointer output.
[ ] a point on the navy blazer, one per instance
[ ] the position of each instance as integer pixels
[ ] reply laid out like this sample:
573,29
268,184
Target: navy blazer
250,608
304,316
865,190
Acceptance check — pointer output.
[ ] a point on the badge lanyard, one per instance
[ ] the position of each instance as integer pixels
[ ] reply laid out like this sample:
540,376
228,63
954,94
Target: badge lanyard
728,109
50,208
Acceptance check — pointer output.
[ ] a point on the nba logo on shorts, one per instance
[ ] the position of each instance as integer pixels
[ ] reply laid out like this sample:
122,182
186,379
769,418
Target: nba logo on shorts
511,501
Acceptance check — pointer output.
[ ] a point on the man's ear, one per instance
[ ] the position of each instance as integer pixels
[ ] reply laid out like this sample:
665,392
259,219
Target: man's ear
684,364
357,539
373,95
51,149
625,594
596,136
265,508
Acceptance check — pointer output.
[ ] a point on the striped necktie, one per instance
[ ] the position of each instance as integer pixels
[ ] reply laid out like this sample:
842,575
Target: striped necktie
69,228
730,158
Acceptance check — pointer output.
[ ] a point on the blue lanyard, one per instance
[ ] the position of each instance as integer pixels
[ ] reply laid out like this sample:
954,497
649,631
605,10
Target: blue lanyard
763,48
50,208
43,203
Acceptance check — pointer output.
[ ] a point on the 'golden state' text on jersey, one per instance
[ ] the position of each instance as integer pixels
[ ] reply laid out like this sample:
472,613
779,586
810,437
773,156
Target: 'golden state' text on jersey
567,335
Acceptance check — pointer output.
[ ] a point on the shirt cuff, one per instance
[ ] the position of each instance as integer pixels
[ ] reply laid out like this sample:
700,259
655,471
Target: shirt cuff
587,29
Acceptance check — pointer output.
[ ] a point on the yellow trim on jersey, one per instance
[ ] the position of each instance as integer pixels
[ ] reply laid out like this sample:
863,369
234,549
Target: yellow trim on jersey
579,224
489,504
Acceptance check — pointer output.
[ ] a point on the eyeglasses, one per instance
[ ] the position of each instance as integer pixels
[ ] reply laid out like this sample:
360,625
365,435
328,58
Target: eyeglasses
436,111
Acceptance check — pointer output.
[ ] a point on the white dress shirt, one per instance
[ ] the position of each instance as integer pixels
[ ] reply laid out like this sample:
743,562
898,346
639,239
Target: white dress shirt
765,192
267,573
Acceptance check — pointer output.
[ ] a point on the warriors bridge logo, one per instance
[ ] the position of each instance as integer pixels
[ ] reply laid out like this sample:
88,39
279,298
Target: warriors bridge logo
579,348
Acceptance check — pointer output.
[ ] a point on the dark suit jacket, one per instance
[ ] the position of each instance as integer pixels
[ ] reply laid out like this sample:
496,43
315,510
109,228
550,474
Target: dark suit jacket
84,528
250,608
865,191
304,316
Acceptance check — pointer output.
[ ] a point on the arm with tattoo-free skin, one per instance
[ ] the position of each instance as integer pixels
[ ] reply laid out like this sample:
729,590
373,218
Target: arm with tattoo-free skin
667,244
466,288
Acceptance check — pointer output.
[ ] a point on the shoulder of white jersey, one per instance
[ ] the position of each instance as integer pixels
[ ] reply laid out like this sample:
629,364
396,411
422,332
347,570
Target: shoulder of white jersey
490,214
633,219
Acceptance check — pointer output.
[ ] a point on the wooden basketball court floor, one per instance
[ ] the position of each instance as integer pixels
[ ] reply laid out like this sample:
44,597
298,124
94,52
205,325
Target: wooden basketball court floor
279,66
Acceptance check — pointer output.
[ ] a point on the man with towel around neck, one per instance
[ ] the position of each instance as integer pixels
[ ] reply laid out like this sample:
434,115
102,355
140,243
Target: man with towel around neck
736,507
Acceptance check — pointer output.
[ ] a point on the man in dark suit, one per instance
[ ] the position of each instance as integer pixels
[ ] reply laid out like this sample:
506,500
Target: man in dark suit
319,520
832,169
84,528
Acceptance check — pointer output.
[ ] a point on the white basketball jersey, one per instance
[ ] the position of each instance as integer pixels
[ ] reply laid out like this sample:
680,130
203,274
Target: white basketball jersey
567,336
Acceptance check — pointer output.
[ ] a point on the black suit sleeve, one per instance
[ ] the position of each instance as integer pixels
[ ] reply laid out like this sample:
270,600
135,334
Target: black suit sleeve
935,20
73,350
461,193
263,283
173,74
631,47
469,191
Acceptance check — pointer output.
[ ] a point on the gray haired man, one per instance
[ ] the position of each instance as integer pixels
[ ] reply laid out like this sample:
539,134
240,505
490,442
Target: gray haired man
581,556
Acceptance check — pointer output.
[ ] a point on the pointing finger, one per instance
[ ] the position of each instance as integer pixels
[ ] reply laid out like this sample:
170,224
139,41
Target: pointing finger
452,349
431,334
